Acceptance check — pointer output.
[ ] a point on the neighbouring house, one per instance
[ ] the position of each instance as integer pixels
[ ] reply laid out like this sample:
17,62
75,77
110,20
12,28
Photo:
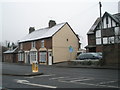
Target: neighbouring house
106,38
11,55
48,45
2,50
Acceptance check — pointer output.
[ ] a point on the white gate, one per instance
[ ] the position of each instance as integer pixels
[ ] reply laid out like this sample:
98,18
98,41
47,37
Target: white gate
49,58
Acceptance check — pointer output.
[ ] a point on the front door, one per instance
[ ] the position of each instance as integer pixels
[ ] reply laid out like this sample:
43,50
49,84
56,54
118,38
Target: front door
27,57
49,58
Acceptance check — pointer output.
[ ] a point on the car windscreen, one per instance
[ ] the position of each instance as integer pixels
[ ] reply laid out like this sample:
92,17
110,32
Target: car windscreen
86,55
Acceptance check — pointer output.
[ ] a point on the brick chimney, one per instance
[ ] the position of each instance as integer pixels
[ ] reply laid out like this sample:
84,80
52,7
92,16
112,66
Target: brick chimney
52,23
31,29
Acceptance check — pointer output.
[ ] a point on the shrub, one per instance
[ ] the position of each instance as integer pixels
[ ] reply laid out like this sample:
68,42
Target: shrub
89,62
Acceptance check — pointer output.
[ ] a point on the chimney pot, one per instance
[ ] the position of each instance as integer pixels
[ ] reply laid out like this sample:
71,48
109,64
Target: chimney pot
31,29
52,23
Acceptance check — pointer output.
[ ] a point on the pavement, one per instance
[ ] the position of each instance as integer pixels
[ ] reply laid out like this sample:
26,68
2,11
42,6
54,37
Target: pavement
28,72
72,65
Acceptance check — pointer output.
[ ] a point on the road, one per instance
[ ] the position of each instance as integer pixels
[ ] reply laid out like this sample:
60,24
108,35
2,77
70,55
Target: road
57,77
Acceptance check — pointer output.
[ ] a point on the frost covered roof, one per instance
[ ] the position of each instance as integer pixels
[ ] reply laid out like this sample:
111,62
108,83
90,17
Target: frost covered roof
42,33
11,51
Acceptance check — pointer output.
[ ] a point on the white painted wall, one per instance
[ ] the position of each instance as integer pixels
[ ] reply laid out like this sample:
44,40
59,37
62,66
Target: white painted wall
104,23
109,22
60,44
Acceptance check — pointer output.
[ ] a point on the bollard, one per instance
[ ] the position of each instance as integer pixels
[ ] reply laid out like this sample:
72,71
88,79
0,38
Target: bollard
34,66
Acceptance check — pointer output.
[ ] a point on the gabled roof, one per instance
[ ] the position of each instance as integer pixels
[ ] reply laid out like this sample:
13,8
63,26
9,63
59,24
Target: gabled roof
115,17
11,51
91,31
42,33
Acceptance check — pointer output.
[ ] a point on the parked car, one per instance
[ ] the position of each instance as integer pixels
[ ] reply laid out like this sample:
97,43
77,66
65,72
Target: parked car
89,56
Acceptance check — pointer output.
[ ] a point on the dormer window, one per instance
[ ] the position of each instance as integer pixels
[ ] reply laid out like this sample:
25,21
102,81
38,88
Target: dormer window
33,44
42,43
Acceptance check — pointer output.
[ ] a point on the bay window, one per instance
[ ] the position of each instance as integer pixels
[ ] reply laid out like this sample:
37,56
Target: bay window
42,57
33,56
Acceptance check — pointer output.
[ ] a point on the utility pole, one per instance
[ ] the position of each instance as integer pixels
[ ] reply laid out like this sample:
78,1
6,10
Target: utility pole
100,5
101,28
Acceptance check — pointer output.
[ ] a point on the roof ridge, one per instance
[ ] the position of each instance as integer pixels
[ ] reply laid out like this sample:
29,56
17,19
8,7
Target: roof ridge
48,27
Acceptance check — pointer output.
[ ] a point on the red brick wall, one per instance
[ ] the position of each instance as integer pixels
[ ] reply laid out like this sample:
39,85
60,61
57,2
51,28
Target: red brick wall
98,48
8,58
37,44
112,54
48,44
15,58
12,58
27,46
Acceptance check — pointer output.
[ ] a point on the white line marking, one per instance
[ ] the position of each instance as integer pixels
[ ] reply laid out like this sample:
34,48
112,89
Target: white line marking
56,78
107,82
79,80
22,81
33,84
90,84
45,75
28,77
63,78
75,81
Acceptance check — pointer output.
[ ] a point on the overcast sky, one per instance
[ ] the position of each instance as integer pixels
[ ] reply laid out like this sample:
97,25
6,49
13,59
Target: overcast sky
17,16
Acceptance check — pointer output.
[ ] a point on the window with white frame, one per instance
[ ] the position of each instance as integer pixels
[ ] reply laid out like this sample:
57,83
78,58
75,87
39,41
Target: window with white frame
117,31
98,41
42,57
20,56
117,35
33,44
98,33
98,37
33,56
111,40
105,40
42,43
